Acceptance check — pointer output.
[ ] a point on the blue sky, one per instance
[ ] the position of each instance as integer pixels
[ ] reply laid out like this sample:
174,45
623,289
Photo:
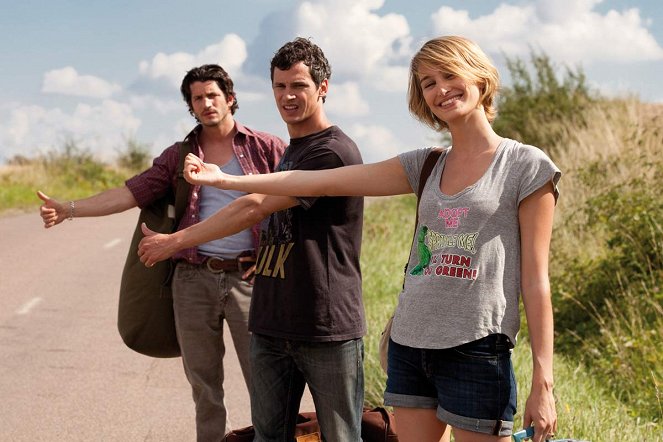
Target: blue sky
100,73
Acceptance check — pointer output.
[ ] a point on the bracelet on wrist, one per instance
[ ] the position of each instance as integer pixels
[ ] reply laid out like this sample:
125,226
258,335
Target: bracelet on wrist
72,207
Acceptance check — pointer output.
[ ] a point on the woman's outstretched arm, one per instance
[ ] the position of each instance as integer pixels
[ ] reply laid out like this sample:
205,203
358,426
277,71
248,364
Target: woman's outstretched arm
377,179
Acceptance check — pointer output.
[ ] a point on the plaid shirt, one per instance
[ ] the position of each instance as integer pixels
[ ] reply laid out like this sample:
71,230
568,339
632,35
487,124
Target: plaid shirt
257,152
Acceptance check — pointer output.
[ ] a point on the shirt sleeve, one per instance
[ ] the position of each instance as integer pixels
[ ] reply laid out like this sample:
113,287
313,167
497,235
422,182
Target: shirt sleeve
319,159
156,181
537,170
413,161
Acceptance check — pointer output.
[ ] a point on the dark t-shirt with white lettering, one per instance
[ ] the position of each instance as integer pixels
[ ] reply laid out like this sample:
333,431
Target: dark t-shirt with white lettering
308,283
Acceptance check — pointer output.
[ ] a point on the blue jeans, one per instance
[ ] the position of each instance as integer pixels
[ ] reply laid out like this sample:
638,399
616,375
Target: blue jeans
335,376
202,300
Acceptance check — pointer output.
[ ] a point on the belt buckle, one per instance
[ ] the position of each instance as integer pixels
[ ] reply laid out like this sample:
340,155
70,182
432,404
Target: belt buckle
208,263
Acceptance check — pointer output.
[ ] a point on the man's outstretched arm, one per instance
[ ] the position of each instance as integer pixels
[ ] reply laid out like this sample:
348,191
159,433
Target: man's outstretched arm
240,214
111,201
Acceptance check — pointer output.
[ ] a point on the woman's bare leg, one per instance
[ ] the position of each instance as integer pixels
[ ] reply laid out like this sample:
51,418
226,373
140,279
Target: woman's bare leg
471,436
420,425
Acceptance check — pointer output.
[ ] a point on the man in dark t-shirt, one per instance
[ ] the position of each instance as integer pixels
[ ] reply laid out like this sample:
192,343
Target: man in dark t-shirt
309,254
306,315
306,312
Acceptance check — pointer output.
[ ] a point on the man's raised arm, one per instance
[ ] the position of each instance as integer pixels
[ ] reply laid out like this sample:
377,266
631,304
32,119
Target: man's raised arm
240,214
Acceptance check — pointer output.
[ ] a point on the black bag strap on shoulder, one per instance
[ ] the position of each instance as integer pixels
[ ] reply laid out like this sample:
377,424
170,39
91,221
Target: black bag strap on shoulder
181,199
182,189
426,170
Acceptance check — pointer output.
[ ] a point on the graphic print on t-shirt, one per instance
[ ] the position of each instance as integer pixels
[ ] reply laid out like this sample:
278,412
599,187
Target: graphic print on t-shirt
271,259
452,247
277,241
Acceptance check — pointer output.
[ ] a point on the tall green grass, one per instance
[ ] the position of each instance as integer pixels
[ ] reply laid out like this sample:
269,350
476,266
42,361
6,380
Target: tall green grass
388,228
607,253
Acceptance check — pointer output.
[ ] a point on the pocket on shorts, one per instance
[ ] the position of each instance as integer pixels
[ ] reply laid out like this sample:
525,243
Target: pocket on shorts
474,353
485,349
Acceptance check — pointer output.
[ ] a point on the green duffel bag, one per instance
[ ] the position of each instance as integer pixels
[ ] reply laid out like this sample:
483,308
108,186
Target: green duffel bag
145,316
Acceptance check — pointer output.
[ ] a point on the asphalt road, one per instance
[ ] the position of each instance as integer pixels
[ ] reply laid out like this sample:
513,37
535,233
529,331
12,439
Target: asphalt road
65,374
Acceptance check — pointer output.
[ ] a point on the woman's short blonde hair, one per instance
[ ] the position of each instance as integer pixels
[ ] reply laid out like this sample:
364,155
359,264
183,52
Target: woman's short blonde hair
460,57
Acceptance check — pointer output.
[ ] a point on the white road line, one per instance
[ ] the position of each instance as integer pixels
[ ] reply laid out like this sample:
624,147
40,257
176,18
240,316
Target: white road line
25,309
112,243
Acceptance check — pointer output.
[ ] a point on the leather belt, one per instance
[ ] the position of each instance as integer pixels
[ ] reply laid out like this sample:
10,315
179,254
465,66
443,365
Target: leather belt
218,265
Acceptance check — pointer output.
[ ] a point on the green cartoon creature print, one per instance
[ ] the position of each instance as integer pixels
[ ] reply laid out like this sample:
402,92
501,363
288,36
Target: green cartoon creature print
423,251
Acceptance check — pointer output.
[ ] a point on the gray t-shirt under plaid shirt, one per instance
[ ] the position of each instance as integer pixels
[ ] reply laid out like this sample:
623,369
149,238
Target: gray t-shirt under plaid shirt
463,275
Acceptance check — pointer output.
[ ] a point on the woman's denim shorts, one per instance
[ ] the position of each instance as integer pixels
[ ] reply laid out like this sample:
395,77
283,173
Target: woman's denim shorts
472,386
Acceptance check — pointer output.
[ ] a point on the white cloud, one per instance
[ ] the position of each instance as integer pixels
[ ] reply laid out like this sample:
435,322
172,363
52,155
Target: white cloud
390,78
615,88
359,43
249,96
68,81
151,102
230,53
170,132
568,31
345,99
376,143
560,11
32,129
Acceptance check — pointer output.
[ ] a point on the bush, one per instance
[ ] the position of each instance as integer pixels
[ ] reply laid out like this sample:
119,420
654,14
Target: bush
538,108
135,158
606,256
611,310
607,252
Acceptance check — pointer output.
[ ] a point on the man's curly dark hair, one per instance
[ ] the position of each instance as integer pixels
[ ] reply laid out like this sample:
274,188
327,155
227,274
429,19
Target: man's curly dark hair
302,49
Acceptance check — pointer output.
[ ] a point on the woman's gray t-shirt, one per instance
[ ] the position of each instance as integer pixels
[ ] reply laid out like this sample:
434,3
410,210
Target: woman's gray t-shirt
463,275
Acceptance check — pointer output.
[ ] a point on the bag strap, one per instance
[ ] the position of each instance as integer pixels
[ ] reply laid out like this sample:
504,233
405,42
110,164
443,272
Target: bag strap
426,170
386,423
182,189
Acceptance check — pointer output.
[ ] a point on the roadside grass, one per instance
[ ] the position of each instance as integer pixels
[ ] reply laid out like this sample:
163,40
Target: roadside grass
587,408
70,173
